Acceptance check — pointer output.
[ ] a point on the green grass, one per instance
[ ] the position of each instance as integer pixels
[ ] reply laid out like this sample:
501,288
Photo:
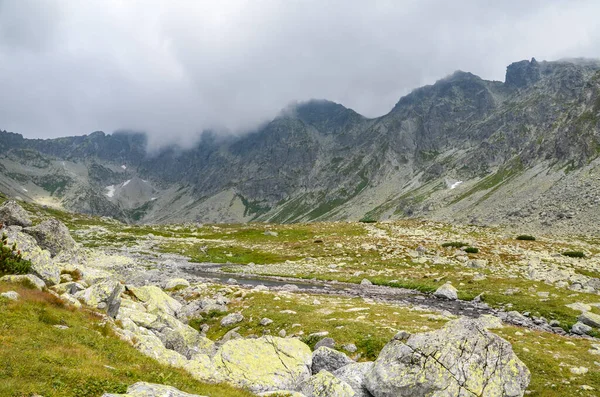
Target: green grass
472,250
84,360
525,237
454,244
574,254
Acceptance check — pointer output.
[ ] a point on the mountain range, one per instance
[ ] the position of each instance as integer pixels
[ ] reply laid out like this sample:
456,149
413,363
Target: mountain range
523,152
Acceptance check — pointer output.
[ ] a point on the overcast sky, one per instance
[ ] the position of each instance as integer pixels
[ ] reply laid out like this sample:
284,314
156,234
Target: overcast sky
173,68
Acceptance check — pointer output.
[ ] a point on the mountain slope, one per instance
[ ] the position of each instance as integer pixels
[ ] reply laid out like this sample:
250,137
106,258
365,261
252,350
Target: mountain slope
524,151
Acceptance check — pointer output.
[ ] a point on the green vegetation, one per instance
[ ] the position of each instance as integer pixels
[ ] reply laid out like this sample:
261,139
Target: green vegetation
85,359
471,250
574,254
525,237
11,261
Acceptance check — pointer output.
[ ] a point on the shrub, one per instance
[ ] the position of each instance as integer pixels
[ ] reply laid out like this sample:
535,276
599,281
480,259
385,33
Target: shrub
454,244
368,220
574,254
471,250
526,237
11,261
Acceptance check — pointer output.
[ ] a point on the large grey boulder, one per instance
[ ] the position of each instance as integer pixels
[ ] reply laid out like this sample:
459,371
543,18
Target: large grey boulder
324,384
325,358
104,295
446,291
27,279
156,300
12,214
589,318
52,235
354,375
264,364
42,264
461,359
144,389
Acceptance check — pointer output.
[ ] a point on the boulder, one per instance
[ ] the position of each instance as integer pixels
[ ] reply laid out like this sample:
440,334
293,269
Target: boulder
202,368
447,291
12,214
325,358
183,339
327,342
26,279
354,375
104,295
176,283
11,295
461,359
52,235
151,346
324,384
42,264
143,389
589,318
232,319
580,328
264,364
281,393
155,300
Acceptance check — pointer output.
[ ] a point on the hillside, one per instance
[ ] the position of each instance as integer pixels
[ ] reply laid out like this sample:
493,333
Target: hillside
521,152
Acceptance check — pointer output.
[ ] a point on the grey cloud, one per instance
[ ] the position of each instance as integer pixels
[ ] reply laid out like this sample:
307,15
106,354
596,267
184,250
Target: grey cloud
175,68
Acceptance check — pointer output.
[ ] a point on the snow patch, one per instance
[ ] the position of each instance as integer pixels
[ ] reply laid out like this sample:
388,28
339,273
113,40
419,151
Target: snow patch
124,166
111,190
126,182
153,198
455,184
25,190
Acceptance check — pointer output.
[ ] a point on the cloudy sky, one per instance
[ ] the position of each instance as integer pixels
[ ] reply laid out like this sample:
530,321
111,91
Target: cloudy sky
175,67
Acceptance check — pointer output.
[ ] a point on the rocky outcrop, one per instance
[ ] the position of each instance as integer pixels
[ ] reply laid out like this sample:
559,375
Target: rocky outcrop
144,389
105,295
264,364
461,359
12,214
52,235
325,358
155,300
354,375
42,264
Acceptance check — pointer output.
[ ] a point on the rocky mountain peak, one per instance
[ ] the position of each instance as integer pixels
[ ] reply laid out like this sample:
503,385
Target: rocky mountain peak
523,73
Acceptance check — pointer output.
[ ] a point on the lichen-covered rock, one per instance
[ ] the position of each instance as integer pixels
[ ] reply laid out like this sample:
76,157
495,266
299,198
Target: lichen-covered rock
461,359
324,384
144,389
182,338
52,235
231,319
264,364
580,328
12,214
326,358
104,295
589,318
354,375
27,279
281,393
11,295
156,300
202,368
42,264
447,291
176,283
151,346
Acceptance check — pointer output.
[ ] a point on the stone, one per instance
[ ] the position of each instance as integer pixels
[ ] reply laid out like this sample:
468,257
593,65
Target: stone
350,347
144,389
324,384
579,370
591,319
202,368
70,300
281,393
26,279
176,283
580,328
264,364
514,317
106,294
366,282
271,233
231,319
42,264
265,321
325,358
151,346
580,307
156,300
11,295
12,214
52,235
447,291
327,342
460,359
354,375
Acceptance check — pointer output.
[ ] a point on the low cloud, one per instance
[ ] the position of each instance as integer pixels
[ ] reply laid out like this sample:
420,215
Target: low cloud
176,68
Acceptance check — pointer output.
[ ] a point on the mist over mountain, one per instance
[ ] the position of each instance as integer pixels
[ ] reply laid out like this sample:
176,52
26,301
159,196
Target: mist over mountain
523,151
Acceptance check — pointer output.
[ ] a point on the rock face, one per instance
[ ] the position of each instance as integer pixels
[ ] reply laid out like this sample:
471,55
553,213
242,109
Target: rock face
156,300
12,214
52,235
461,359
104,295
143,389
264,364
354,375
325,358
324,384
